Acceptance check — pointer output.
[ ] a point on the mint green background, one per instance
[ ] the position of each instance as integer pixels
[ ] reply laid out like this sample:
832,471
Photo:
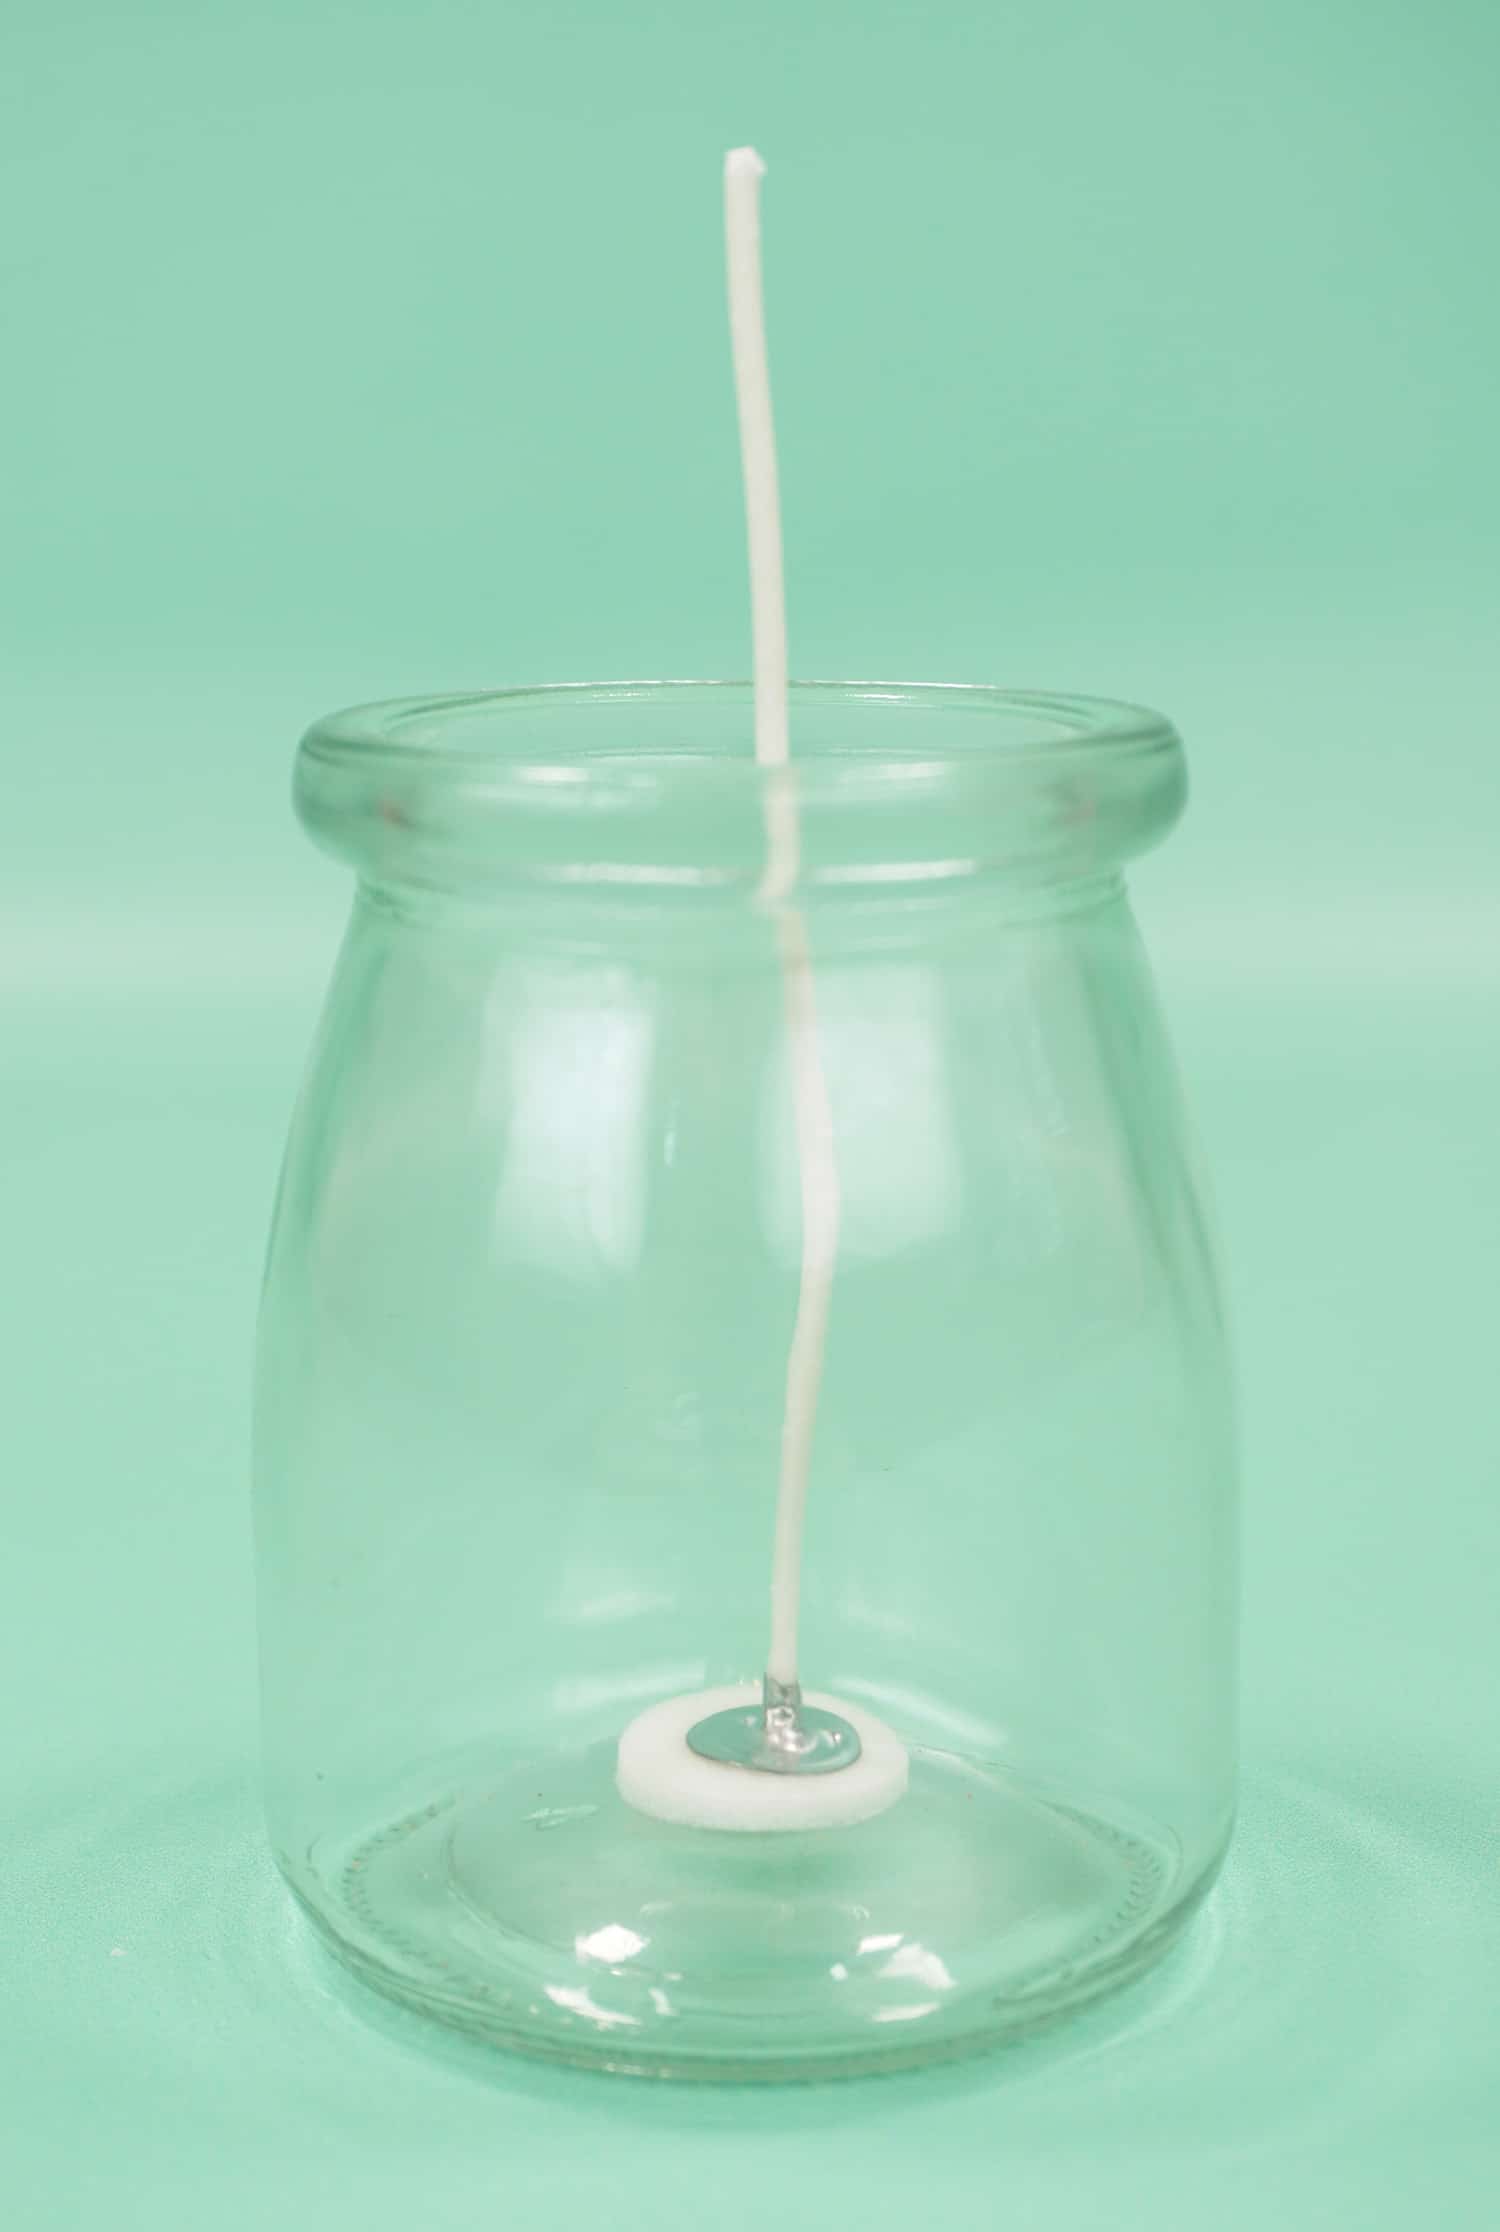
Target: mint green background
358,349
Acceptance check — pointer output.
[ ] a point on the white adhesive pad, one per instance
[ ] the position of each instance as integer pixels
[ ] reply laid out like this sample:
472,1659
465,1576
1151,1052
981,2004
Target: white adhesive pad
657,1774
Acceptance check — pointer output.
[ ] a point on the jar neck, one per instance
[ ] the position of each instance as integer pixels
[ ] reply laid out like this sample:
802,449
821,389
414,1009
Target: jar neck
716,927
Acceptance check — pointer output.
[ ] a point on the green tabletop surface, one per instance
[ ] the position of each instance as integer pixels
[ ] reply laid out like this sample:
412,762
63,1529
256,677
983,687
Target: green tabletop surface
357,350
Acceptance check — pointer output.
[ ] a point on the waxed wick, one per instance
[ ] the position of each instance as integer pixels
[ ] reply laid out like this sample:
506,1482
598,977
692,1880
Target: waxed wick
816,1164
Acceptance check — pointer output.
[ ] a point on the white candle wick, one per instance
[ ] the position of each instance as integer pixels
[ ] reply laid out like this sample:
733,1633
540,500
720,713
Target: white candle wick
818,1175
816,1163
743,172
662,1767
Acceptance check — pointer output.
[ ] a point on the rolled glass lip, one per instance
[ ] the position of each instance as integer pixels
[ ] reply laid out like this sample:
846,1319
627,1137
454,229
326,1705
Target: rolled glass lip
1031,772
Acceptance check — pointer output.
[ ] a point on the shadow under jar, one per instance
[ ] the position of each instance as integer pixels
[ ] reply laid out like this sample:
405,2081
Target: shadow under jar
531,1289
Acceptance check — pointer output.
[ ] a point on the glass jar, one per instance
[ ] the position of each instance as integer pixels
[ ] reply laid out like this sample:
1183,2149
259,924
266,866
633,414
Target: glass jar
525,1329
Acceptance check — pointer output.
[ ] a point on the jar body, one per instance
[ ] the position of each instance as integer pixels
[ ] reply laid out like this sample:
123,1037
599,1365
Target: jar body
531,1285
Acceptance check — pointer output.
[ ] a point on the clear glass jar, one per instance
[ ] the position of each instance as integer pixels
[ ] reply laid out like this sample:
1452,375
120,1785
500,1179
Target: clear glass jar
530,1291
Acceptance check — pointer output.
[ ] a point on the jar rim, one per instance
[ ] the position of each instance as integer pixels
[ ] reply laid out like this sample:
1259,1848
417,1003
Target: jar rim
888,774
408,727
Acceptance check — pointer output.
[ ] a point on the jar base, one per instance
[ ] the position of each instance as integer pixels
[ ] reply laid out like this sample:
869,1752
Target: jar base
543,1913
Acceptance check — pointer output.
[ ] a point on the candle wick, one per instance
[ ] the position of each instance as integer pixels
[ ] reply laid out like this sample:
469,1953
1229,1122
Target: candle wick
816,1163
743,172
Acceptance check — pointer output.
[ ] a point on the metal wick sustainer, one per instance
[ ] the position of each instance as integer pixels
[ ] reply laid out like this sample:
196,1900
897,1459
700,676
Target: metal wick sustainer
780,1736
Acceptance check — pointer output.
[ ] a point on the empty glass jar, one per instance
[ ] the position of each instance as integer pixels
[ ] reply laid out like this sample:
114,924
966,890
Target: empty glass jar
530,1294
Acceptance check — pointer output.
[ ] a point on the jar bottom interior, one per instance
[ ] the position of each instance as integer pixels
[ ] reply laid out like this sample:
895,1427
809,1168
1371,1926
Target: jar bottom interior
527,1903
